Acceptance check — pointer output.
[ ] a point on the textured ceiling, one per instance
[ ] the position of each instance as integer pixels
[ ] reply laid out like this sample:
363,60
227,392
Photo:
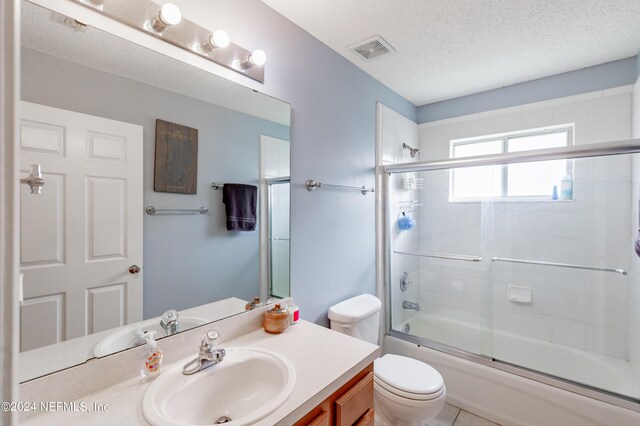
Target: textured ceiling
43,31
451,48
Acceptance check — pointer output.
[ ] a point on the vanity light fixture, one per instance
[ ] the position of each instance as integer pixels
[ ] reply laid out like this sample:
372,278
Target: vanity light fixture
255,58
218,40
156,20
169,15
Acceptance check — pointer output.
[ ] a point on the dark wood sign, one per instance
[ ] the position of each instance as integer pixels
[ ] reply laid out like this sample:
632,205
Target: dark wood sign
176,166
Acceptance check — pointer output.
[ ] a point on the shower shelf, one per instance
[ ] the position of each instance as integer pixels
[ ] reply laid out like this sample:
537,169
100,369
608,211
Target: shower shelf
412,183
560,265
462,258
409,206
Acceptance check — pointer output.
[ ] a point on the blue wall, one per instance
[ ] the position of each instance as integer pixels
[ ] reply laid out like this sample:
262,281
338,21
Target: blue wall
332,140
598,77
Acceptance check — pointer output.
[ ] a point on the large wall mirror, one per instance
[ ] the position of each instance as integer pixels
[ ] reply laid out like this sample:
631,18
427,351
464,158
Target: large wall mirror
98,271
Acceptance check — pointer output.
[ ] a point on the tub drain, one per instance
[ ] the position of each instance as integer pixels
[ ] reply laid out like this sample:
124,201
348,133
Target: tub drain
407,328
223,419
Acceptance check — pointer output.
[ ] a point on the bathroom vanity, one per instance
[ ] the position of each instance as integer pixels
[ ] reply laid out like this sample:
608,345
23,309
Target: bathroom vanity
352,404
333,377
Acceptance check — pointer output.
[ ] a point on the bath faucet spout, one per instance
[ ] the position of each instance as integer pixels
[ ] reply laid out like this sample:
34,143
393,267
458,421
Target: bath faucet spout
169,322
410,305
207,356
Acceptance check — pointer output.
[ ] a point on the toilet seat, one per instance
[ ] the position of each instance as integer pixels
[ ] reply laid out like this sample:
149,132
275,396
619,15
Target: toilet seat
408,378
390,391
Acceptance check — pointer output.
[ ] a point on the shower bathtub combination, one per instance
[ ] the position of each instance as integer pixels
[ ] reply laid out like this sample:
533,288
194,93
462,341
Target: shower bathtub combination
521,300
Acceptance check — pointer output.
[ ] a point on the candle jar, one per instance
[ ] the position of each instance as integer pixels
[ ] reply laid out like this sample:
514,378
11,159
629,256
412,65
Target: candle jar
276,320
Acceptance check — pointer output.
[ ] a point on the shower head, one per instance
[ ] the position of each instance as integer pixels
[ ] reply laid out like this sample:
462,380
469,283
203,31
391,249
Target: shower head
412,151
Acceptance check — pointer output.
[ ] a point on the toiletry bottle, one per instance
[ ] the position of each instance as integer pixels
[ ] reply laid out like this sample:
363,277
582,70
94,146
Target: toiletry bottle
566,188
294,313
150,365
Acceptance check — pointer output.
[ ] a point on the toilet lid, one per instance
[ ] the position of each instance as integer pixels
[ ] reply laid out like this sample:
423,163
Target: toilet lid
408,374
379,385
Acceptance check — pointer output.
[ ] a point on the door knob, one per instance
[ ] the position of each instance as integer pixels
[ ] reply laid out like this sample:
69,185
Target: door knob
134,269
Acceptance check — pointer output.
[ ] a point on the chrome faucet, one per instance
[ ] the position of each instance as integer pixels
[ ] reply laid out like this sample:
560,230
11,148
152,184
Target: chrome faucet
169,322
208,356
410,305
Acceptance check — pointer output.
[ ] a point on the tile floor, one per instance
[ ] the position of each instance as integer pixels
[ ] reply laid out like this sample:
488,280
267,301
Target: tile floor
454,416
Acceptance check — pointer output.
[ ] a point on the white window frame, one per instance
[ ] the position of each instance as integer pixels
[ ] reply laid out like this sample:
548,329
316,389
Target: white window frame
504,181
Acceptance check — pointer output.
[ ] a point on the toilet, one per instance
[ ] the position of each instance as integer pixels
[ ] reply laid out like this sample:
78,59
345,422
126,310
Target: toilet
407,392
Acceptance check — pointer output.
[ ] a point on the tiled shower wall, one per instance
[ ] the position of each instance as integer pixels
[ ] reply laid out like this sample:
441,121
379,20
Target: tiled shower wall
576,308
634,280
396,130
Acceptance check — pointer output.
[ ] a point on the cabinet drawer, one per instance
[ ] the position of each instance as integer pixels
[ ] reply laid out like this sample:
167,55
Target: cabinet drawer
355,402
368,419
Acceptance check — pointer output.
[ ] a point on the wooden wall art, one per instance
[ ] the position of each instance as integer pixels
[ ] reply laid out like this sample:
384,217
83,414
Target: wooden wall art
176,163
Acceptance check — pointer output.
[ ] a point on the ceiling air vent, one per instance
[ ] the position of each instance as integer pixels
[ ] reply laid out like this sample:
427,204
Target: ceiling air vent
372,48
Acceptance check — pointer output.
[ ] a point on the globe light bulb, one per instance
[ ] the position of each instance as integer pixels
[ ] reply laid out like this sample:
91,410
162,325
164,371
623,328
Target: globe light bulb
258,57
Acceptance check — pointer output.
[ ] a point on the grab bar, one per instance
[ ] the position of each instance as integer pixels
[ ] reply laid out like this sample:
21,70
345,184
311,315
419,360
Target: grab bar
441,256
152,211
311,184
560,265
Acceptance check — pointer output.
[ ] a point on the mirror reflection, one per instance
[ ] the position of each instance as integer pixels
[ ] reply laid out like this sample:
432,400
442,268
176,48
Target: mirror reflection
117,129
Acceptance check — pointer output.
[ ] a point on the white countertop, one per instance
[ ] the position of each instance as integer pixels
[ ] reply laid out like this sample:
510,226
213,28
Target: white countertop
324,360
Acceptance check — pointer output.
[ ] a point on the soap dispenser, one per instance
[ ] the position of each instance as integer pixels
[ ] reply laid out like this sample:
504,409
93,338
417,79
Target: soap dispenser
150,365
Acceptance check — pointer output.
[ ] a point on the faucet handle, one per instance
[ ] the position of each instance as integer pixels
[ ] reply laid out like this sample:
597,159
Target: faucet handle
170,315
210,339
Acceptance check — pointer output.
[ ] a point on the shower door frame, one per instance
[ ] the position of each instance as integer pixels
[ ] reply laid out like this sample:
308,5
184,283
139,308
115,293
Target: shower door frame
270,239
628,146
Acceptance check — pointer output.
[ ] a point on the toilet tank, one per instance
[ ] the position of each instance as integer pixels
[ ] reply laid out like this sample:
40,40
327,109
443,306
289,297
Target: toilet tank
358,317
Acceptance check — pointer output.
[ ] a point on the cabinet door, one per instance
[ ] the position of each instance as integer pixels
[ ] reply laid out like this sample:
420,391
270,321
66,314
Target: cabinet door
319,416
355,402
321,420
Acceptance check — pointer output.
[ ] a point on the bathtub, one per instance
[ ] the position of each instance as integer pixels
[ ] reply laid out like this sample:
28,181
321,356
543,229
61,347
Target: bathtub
511,399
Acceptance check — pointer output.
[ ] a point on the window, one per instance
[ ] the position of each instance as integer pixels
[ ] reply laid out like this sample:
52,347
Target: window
512,181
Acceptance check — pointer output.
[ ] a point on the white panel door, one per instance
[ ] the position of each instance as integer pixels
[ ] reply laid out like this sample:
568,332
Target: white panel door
79,238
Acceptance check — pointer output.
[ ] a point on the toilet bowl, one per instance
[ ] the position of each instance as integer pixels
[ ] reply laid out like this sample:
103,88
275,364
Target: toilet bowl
407,392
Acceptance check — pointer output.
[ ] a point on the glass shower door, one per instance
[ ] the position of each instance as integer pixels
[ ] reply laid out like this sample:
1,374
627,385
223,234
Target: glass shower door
438,279
562,271
543,286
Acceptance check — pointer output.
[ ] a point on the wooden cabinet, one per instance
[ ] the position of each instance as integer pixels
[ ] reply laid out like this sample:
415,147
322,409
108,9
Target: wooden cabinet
350,405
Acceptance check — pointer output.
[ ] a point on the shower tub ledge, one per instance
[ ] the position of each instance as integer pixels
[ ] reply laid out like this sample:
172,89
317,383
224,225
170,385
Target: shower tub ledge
510,399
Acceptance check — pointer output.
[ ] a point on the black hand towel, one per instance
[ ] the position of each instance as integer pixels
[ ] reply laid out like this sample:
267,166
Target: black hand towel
240,206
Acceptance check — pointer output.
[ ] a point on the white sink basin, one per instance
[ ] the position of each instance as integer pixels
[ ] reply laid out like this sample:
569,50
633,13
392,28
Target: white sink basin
246,386
125,337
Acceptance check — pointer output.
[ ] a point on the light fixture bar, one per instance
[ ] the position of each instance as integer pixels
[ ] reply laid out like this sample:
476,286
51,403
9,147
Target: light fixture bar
145,15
